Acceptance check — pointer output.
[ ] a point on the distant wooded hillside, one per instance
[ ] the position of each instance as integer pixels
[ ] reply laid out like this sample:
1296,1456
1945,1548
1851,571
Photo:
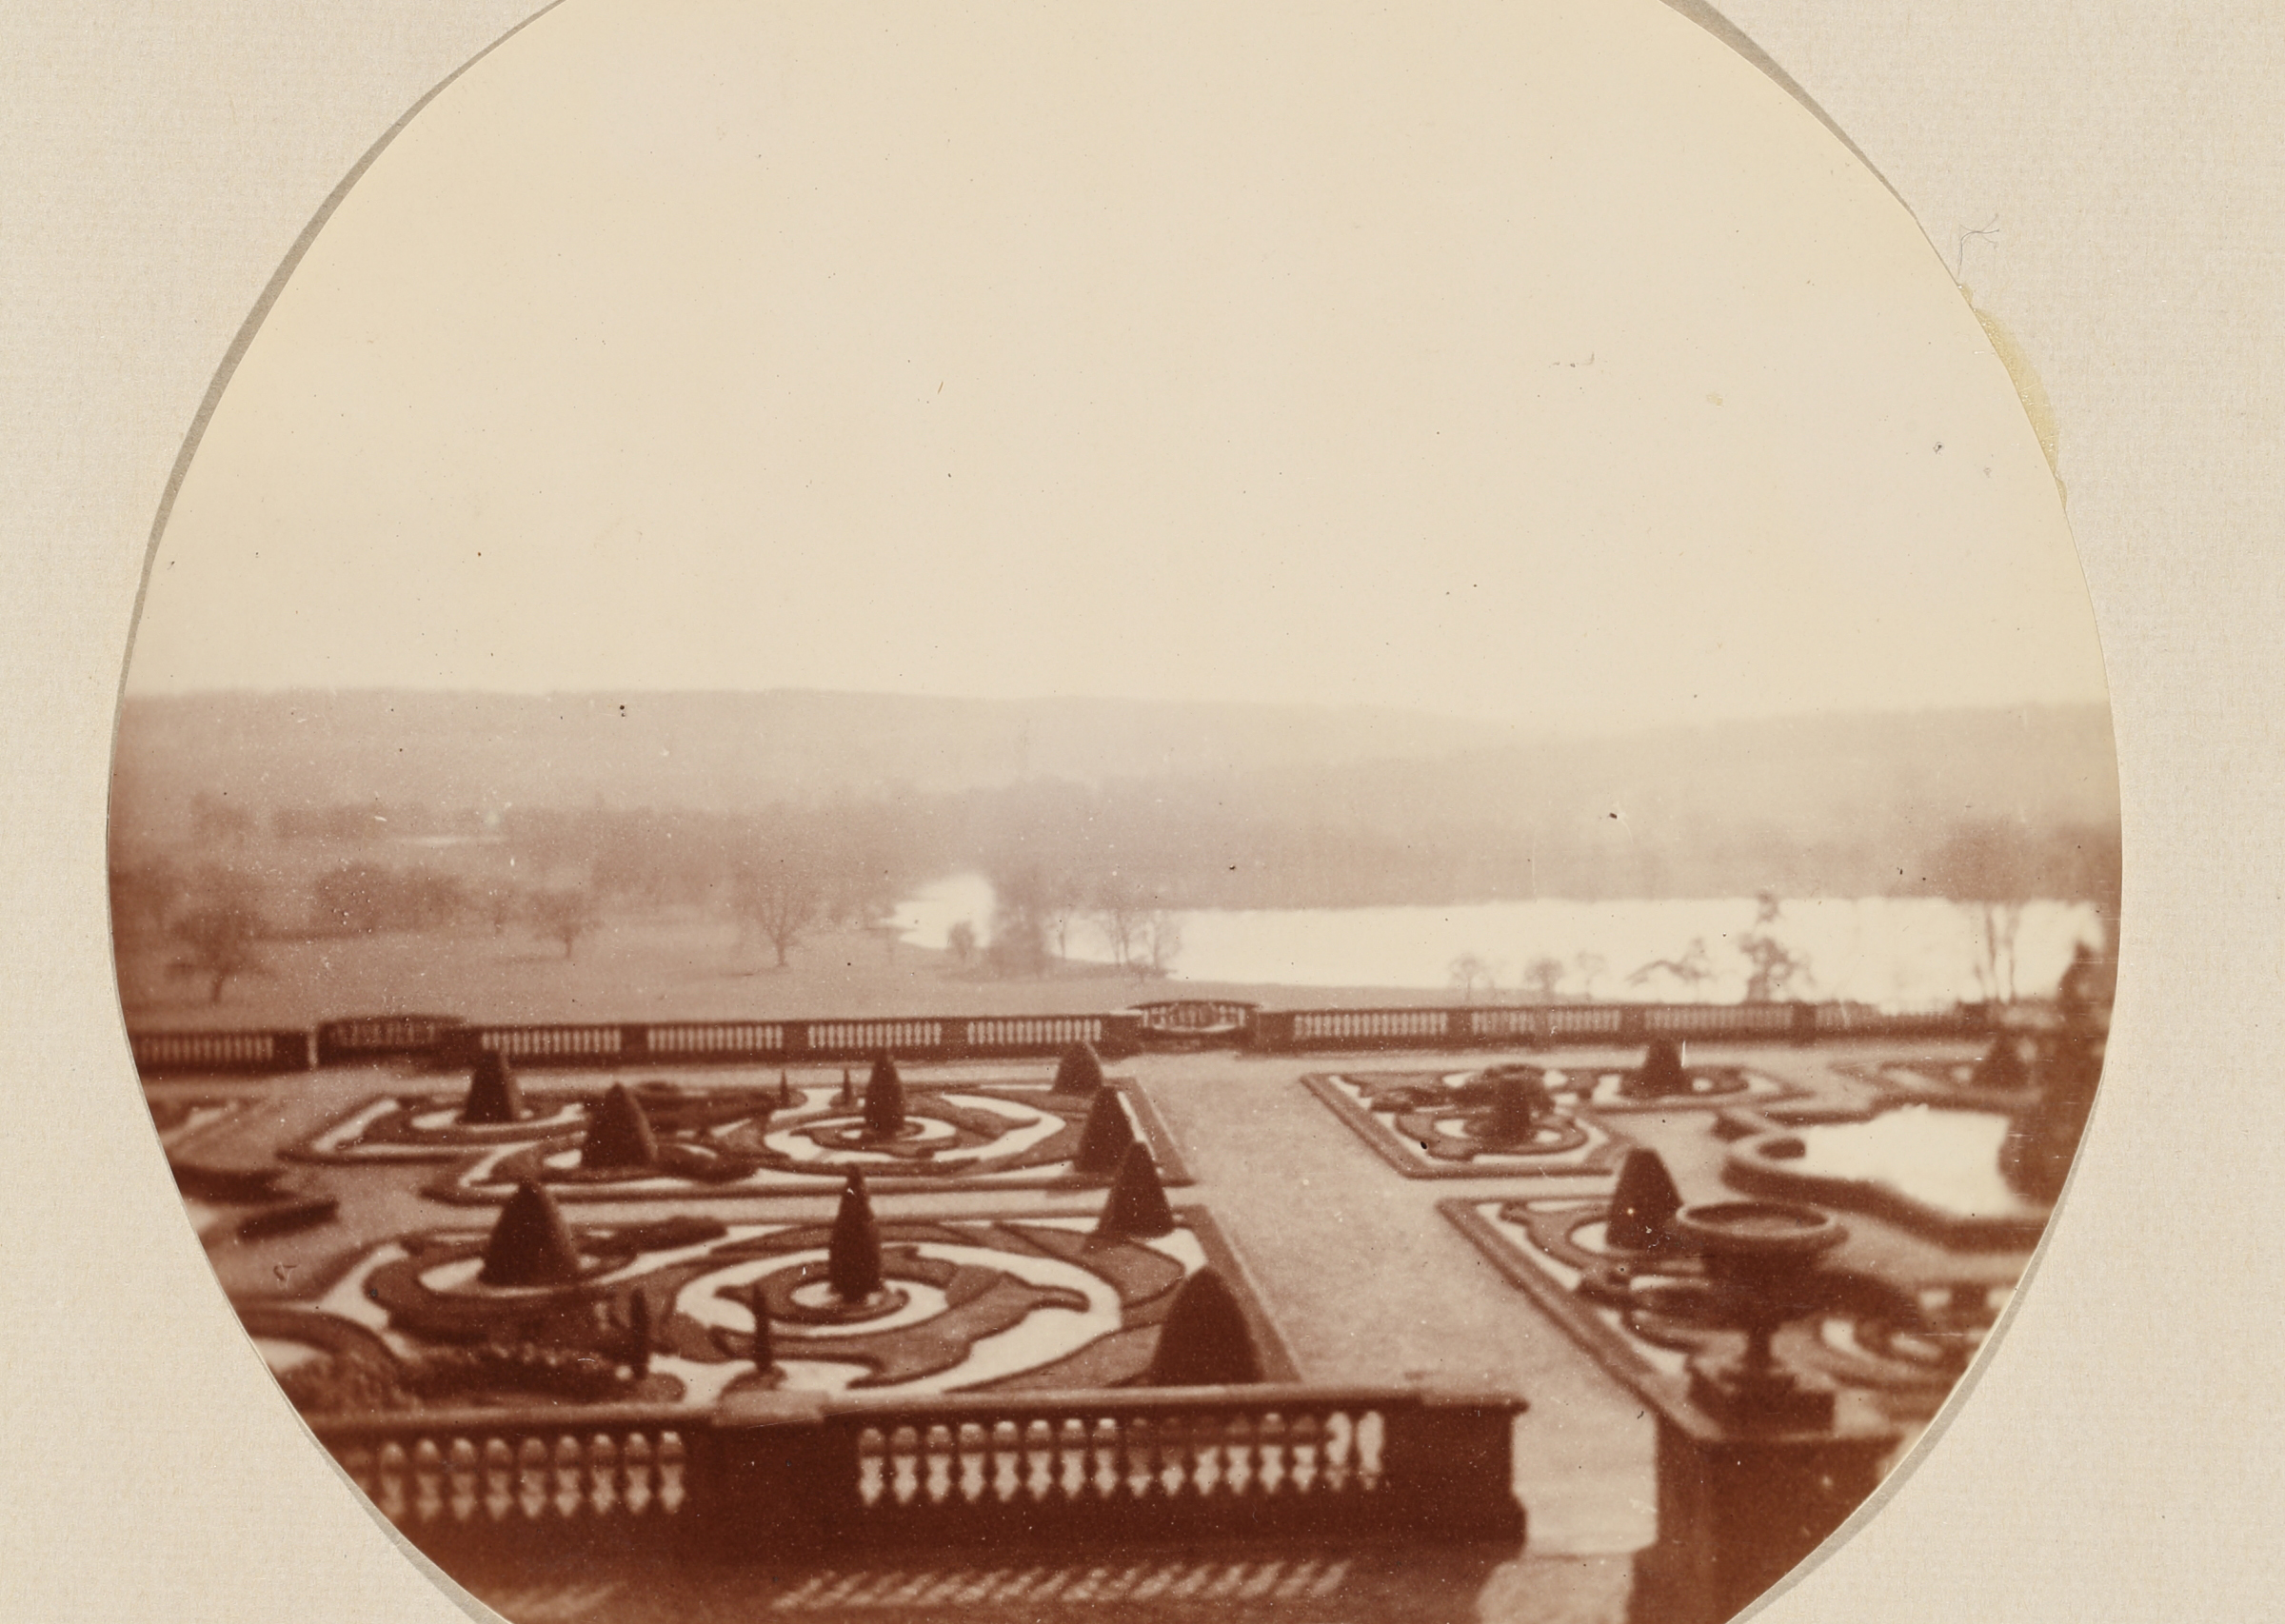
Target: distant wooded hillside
1205,805
713,752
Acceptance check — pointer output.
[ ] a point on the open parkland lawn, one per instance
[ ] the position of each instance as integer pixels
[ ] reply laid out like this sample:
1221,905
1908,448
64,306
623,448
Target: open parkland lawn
670,964
1362,1277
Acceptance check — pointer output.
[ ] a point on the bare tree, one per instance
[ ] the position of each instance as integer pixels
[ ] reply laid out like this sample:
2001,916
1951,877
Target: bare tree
1019,945
1119,907
1545,977
782,882
1984,868
1592,967
1062,901
1772,968
781,894
1998,922
961,942
862,861
1694,969
565,915
1469,972
219,933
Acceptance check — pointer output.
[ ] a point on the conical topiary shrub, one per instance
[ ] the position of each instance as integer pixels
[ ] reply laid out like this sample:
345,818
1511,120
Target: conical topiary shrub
2002,1065
1660,1073
765,1349
1136,1207
493,1095
1103,1140
531,1245
1079,1071
1518,1101
1206,1341
619,1134
784,1092
884,1100
853,1255
1643,1204
638,1333
847,1097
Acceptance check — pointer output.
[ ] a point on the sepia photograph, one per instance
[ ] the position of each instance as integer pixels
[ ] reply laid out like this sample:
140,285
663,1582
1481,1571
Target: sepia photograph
1027,814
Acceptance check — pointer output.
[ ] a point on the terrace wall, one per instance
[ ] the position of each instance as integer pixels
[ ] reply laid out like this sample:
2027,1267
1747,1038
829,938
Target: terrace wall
806,1474
449,1040
1623,1025
243,1053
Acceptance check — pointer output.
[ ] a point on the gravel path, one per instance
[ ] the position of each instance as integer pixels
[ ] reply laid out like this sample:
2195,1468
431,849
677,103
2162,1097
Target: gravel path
1369,1283
1365,1279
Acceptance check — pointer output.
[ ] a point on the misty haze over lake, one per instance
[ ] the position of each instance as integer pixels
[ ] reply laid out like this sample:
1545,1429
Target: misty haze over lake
1889,951
1891,859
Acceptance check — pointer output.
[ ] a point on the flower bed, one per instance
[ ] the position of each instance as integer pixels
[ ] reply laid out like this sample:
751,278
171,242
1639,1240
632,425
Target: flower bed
987,1304
750,1139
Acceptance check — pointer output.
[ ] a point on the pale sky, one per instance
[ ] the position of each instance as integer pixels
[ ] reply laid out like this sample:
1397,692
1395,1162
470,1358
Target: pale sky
1533,360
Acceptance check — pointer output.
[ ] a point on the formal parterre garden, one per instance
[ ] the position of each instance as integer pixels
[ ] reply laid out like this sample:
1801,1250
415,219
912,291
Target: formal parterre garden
662,1239
536,1307
661,1138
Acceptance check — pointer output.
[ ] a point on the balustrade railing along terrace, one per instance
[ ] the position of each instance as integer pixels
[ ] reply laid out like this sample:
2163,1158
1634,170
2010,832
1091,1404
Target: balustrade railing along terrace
1613,1025
454,1475
376,1036
921,1036
244,1053
807,1473
449,1040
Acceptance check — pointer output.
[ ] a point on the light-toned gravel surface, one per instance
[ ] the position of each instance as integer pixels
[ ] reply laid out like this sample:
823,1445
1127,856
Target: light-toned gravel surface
1365,1278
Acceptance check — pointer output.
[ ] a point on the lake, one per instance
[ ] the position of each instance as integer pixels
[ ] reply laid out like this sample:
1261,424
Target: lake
1897,951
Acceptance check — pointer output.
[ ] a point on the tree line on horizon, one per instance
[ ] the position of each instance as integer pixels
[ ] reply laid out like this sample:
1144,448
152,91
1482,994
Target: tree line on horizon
1127,859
